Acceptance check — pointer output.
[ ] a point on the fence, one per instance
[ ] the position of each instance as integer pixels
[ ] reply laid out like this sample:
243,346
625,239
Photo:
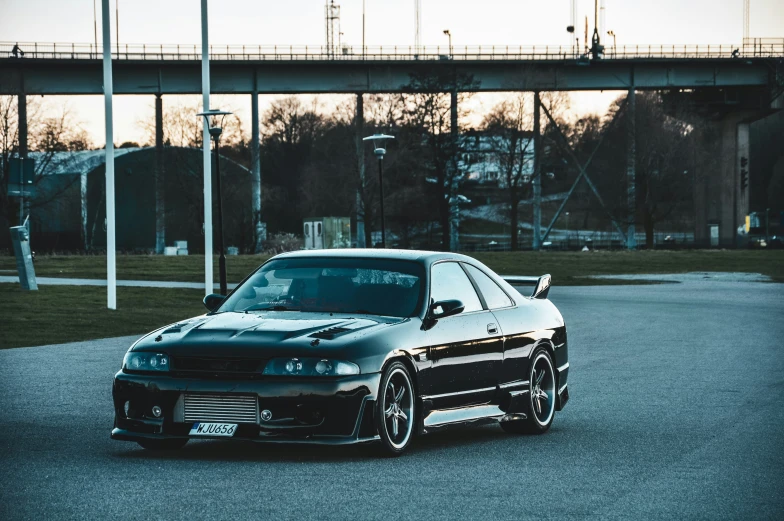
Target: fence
752,47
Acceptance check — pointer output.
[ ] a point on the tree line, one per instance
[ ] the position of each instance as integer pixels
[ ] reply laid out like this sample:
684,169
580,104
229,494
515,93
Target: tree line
313,163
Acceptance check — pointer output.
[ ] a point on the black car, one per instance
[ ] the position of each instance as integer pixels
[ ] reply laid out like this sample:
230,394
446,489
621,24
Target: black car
349,346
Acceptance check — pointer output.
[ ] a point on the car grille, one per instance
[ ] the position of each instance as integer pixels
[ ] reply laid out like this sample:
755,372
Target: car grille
235,408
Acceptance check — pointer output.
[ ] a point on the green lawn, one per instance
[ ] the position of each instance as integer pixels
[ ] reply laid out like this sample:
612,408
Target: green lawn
57,314
567,268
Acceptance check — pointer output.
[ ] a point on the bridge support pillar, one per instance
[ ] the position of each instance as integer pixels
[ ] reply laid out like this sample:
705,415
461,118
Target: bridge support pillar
260,228
631,158
160,200
454,205
536,181
362,238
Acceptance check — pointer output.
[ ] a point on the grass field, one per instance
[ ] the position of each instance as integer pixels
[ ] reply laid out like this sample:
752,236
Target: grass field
567,268
58,314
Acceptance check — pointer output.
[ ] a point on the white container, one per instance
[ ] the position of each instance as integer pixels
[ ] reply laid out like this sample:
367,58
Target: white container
232,250
170,250
181,245
182,251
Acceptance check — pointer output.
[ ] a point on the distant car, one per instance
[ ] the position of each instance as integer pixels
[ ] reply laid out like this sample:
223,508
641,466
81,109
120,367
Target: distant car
349,346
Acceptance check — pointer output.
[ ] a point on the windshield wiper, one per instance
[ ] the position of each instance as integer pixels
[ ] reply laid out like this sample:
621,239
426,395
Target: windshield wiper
266,307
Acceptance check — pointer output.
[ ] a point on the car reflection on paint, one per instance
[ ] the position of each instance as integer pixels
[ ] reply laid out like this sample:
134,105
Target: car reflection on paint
349,346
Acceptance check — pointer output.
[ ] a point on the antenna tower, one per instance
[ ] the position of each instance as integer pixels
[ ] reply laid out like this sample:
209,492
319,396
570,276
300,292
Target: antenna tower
332,20
746,20
417,26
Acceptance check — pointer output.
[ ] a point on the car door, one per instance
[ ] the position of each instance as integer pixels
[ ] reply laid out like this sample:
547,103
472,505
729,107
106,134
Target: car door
466,350
517,332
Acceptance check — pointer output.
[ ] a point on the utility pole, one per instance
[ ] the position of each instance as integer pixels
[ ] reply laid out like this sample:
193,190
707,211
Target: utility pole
537,179
631,135
111,268
206,153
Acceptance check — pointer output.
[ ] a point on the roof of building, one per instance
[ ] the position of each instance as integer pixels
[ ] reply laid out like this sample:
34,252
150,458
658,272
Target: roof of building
85,161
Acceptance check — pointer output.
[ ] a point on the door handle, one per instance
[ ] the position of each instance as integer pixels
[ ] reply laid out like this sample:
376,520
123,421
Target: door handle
492,329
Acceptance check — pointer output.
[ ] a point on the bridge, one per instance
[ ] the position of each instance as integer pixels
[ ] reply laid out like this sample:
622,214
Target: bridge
70,68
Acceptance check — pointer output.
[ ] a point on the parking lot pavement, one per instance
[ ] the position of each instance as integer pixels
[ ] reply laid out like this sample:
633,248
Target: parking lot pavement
676,413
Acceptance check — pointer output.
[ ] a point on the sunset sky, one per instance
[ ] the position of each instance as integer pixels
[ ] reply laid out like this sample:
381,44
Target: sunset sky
388,22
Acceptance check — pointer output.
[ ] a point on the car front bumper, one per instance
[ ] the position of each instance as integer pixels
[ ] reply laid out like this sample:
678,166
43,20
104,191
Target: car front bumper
331,411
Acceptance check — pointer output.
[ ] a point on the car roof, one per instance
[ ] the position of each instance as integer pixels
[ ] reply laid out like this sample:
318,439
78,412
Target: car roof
424,257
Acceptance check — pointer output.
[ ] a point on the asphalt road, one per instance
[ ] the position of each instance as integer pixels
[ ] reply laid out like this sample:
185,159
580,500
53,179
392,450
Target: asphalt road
676,413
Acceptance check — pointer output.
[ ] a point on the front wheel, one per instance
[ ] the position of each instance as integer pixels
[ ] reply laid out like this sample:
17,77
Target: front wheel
394,413
172,444
541,392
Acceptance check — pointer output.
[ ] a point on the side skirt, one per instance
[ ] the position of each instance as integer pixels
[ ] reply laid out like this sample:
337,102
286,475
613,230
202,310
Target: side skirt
438,419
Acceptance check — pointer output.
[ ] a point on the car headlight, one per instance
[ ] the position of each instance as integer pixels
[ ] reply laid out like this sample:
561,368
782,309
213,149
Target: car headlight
141,361
309,367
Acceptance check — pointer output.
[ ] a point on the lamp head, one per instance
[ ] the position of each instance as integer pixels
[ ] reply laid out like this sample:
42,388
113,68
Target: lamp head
214,120
378,143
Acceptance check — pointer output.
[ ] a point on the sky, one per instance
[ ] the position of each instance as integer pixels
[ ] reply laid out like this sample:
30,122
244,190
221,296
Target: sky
387,22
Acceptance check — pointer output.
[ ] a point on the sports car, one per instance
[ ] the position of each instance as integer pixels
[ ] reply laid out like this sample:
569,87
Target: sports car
349,346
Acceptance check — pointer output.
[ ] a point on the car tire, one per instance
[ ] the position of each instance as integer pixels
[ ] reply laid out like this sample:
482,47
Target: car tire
541,396
394,413
171,444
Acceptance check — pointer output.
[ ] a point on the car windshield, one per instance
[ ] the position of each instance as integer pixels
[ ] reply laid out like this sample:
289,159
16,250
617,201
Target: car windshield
335,285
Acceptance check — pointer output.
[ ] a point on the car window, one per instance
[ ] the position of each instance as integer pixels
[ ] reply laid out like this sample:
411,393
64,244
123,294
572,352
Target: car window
449,282
493,294
332,285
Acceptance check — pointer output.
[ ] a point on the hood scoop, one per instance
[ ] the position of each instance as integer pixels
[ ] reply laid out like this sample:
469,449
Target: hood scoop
331,332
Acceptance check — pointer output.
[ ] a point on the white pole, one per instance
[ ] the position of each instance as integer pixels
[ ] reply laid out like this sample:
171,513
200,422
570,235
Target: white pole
111,269
205,87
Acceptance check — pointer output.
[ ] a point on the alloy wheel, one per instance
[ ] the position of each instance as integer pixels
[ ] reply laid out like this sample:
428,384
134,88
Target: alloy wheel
398,408
542,389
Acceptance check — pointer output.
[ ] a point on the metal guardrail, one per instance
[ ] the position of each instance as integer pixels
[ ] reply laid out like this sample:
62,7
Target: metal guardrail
752,47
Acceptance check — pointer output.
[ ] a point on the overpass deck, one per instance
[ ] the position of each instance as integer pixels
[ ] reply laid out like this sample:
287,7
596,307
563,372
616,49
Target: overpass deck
70,68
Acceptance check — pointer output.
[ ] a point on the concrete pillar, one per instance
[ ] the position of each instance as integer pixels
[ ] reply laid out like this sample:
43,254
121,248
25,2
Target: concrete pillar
631,158
160,200
454,207
260,229
537,179
24,202
360,131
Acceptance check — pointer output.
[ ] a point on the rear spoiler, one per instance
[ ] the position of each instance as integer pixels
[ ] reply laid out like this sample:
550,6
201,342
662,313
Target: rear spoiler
542,284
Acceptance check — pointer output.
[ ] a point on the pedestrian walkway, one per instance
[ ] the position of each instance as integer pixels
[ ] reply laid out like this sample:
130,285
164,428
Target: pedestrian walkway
61,281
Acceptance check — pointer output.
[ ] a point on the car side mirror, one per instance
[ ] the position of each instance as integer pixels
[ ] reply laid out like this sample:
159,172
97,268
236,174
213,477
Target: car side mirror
213,301
445,308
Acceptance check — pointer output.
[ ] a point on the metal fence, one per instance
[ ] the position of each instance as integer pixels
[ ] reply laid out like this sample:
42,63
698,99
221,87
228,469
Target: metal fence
752,47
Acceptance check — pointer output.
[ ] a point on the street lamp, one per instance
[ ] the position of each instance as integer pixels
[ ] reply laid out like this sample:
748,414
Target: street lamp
612,33
379,150
215,119
446,32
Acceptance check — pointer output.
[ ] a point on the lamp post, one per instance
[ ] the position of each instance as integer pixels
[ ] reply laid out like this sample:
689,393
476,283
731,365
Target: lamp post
449,34
214,120
379,150
615,50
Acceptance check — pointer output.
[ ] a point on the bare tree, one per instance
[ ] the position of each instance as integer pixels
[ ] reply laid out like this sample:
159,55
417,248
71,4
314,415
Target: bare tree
508,127
50,131
428,113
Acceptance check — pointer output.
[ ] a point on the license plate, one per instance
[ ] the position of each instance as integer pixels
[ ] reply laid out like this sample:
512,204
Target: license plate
213,429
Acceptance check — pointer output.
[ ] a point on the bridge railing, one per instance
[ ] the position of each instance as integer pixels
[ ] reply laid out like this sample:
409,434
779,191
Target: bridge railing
752,47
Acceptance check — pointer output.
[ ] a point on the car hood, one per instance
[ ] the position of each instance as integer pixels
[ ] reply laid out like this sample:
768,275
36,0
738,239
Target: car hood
263,334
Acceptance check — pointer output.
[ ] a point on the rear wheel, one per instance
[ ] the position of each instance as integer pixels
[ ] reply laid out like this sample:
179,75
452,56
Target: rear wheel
541,392
172,444
394,413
